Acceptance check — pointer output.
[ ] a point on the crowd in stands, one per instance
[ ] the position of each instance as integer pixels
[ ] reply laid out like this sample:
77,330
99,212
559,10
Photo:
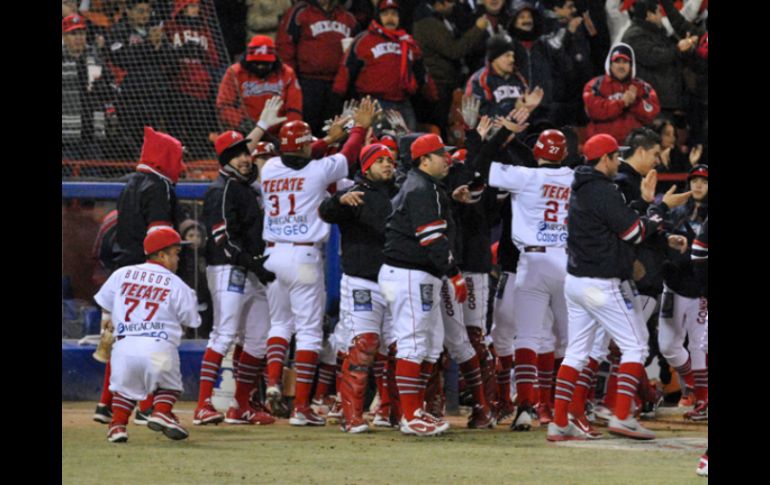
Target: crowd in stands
194,68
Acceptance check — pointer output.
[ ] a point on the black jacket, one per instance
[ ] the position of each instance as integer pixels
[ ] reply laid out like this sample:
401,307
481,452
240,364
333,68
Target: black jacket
233,220
679,269
147,200
700,258
362,227
652,252
420,231
602,229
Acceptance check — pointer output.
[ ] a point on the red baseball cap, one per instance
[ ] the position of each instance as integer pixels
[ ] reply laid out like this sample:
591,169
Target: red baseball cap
261,48
386,4
161,238
700,170
72,22
229,139
426,144
389,142
372,153
459,155
599,145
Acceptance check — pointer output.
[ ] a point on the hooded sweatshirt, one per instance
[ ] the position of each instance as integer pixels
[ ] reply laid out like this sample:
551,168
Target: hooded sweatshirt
603,99
602,229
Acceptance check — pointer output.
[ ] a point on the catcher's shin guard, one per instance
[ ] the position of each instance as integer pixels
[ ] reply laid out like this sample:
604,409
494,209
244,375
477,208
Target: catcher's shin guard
355,373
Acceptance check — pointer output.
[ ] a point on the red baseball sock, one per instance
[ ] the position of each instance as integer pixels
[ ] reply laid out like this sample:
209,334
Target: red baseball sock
341,356
325,379
504,378
212,361
526,376
629,375
106,397
382,383
165,400
545,377
578,404
305,362
701,377
236,361
426,369
471,370
556,365
612,383
121,409
276,353
390,379
565,386
409,384
685,372
248,371
147,403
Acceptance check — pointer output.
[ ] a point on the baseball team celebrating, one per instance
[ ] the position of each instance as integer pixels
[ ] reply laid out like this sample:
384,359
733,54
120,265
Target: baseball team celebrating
577,250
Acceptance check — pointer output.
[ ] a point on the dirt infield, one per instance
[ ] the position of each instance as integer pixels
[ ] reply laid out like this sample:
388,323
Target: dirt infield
281,453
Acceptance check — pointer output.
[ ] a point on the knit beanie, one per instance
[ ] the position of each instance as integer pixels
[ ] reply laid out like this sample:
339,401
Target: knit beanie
497,45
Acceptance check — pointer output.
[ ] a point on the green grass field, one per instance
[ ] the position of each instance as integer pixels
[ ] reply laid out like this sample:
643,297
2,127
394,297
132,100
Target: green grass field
280,453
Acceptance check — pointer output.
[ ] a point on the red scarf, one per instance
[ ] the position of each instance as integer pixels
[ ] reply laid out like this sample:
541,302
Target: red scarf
407,82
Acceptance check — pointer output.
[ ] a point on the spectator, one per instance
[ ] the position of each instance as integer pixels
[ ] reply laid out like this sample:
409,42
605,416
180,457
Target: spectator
498,19
310,42
195,56
248,84
263,16
674,157
192,270
385,63
88,91
659,57
500,85
531,53
141,54
94,31
444,49
618,101
569,53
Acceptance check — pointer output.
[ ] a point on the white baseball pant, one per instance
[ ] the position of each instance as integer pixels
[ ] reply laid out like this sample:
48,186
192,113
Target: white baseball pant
142,365
364,309
475,306
503,332
687,317
601,346
456,338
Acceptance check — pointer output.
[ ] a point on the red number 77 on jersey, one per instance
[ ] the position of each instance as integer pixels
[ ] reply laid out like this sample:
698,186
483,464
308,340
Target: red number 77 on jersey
133,302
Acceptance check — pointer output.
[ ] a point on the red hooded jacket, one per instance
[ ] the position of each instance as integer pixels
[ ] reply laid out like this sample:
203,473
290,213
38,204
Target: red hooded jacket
162,153
310,40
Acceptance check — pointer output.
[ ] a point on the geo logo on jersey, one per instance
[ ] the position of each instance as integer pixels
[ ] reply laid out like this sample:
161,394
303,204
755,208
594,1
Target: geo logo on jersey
426,297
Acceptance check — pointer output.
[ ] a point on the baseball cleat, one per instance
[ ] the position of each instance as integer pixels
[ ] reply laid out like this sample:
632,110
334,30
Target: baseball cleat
247,416
505,410
335,413
441,424
630,428
117,434
380,421
207,415
602,412
141,417
168,424
699,413
565,433
356,425
304,416
582,423
103,414
703,466
419,426
481,418
320,406
523,419
544,414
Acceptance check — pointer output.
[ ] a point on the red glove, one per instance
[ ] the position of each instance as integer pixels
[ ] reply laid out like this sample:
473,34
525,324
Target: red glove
461,289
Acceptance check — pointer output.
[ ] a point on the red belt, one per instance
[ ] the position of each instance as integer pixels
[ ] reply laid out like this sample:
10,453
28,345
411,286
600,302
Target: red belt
272,244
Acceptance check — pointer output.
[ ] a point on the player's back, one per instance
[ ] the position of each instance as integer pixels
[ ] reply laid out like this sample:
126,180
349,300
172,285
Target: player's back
292,197
148,300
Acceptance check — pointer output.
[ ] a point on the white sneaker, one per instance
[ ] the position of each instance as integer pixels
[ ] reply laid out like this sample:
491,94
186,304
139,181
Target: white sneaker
419,425
565,433
441,424
703,467
381,421
602,412
630,428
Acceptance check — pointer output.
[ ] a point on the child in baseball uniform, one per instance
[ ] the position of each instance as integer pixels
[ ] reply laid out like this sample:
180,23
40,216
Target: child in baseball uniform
147,304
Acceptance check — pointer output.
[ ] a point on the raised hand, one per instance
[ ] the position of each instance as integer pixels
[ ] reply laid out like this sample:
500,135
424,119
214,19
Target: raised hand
365,113
470,110
485,124
649,182
532,99
397,121
269,116
695,154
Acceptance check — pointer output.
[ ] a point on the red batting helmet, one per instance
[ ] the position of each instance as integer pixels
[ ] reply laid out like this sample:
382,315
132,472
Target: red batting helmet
551,145
294,135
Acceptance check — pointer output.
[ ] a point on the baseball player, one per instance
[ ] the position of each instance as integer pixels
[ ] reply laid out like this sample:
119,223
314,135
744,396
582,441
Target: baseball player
293,187
418,239
599,288
684,311
237,280
147,305
539,203
147,202
700,259
361,212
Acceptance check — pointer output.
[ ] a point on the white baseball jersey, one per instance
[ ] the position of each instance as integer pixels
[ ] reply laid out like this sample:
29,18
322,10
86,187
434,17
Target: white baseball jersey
539,202
292,198
148,300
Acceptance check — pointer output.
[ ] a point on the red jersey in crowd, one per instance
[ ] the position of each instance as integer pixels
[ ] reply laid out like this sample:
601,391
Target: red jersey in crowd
242,93
386,64
194,49
310,39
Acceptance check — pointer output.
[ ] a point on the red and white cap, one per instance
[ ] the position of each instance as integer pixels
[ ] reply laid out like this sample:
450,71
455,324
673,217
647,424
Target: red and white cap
161,238
426,144
261,48
600,145
229,139
72,22
386,4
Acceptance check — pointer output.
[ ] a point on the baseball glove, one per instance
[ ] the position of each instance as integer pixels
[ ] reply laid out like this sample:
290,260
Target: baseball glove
104,349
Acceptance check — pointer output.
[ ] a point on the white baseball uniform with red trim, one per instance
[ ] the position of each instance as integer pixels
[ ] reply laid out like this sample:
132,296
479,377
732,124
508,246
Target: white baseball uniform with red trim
149,304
